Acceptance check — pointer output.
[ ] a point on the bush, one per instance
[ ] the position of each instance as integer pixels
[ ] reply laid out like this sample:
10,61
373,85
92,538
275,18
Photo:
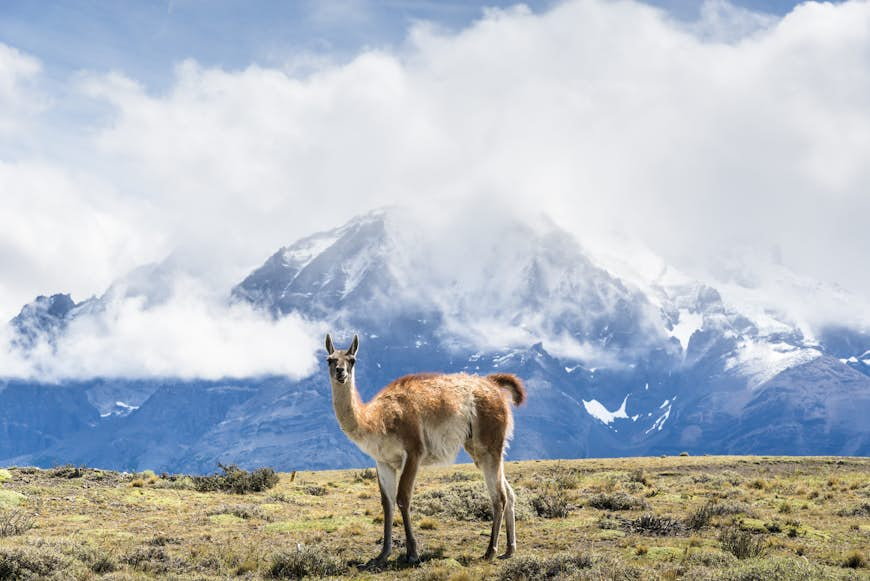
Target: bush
742,544
711,558
465,501
532,568
617,501
98,560
862,509
243,511
150,559
367,474
15,522
314,490
855,560
66,471
236,480
651,524
304,562
5,475
176,482
551,504
27,563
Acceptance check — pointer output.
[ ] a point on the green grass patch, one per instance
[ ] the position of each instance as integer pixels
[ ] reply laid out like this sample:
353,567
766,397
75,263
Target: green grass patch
328,524
225,519
10,498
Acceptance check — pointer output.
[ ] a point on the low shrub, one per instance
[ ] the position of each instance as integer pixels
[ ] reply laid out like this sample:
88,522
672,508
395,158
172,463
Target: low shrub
615,501
855,560
15,522
551,504
5,475
367,474
531,568
460,477
176,482
236,480
314,489
711,558
28,563
700,518
742,544
652,524
305,561
149,559
98,560
466,501
243,511
862,509
66,471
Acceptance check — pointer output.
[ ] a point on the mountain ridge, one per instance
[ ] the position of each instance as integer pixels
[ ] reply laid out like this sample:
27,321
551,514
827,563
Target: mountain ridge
612,368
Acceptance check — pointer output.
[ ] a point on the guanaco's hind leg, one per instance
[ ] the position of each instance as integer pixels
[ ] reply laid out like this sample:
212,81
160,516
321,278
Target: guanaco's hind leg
510,519
493,473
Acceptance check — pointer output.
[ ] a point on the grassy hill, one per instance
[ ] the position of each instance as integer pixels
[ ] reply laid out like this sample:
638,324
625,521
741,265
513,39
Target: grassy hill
639,518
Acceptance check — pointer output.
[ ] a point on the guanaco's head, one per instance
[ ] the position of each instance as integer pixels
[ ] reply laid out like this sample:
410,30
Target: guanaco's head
341,362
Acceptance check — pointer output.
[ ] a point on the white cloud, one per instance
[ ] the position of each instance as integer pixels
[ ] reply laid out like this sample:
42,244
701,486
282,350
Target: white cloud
18,97
189,334
738,129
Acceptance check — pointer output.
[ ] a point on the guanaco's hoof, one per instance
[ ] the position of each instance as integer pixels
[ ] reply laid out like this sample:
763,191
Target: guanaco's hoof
412,559
489,556
506,555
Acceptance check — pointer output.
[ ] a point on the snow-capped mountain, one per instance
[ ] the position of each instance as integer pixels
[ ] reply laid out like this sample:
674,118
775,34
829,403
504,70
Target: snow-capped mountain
615,364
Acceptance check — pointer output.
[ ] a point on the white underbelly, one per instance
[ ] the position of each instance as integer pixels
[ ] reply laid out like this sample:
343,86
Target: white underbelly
442,443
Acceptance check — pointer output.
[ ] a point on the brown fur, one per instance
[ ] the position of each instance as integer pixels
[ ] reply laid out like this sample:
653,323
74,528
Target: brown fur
424,418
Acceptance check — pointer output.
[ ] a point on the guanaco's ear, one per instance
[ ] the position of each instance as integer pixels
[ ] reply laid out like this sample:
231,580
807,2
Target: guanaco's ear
330,348
354,345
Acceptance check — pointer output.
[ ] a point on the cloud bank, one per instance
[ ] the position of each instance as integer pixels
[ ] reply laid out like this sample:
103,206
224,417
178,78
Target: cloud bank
187,333
737,130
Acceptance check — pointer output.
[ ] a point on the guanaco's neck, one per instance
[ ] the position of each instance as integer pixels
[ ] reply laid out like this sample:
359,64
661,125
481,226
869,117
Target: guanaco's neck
348,406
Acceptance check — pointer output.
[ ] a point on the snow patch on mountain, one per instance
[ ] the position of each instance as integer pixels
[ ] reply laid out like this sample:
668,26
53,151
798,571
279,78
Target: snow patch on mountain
687,324
598,411
761,361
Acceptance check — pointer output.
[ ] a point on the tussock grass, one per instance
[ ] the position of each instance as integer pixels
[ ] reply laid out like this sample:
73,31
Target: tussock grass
742,544
304,562
616,501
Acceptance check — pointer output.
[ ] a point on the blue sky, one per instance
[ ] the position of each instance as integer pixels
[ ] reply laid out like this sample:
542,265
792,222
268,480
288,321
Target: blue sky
145,39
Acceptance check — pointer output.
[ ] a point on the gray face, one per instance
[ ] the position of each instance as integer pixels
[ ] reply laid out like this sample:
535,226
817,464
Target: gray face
341,361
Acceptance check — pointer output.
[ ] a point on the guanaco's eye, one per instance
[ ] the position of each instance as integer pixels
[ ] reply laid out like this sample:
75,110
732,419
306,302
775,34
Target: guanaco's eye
351,359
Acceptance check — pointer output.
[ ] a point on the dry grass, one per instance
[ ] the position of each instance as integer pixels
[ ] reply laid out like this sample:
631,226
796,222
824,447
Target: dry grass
641,518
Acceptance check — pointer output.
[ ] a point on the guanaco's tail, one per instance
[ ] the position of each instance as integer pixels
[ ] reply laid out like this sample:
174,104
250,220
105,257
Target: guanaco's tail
511,383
